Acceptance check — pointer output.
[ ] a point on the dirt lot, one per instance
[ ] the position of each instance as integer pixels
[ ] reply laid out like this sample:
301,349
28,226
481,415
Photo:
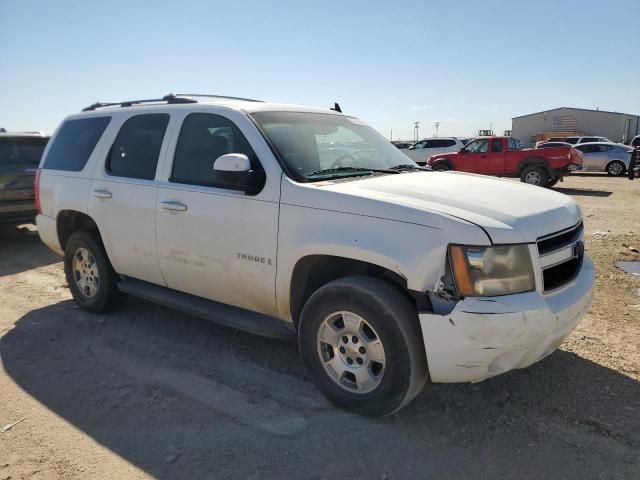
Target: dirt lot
148,392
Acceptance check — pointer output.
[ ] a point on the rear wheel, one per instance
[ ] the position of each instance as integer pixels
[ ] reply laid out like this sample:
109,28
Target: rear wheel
616,168
552,182
90,276
360,340
535,175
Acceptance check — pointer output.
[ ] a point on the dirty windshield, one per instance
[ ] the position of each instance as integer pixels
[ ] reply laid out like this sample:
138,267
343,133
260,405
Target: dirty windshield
318,146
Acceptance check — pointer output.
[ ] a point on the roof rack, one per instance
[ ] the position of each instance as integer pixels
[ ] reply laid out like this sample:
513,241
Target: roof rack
215,96
171,98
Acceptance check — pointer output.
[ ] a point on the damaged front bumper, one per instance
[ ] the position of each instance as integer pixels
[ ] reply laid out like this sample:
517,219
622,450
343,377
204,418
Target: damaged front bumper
484,337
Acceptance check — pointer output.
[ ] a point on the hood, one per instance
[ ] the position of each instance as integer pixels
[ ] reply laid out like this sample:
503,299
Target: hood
509,211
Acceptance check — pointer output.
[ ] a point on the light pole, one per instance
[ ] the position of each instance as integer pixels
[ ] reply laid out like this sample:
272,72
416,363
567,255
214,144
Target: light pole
437,124
416,130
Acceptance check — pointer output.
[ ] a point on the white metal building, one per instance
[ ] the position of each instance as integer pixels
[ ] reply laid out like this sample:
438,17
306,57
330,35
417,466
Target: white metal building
617,127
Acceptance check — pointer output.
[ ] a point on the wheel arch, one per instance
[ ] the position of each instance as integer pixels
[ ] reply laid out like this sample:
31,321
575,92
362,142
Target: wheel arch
619,160
69,221
534,161
444,161
314,271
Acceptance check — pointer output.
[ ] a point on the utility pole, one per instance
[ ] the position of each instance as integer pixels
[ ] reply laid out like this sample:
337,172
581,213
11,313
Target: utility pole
391,138
416,130
437,124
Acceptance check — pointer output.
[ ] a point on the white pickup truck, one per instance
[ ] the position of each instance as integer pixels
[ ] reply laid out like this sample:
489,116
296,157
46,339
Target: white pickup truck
285,220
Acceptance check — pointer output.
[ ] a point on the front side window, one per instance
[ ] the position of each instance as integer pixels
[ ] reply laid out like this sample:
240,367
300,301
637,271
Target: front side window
22,150
135,152
420,145
74,143
478,146
317,146
203,138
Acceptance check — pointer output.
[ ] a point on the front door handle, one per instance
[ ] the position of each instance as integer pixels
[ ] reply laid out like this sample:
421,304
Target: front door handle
102,194
175,206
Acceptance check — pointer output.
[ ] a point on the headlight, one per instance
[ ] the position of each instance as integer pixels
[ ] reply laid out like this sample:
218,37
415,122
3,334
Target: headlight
489,271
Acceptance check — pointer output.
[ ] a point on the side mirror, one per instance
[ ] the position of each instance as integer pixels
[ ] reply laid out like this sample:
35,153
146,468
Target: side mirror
233,171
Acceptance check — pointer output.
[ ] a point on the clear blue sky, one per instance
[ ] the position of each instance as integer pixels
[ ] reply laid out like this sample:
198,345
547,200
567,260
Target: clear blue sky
464,63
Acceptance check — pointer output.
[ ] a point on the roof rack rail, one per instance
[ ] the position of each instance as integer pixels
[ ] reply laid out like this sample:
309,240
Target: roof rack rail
215,96
170,98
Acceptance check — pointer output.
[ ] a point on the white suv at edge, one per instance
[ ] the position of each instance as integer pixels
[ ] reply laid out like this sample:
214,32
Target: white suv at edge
421,151
283,220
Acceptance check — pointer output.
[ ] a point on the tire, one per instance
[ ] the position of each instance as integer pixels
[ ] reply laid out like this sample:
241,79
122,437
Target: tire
443,167
552,182
616,169
85,260
535,175
395,365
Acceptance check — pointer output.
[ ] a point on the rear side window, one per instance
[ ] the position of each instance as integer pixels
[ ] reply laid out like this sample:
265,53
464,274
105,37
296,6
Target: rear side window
135,152
571,140
496,146
72,146
514,144
205,137
21,150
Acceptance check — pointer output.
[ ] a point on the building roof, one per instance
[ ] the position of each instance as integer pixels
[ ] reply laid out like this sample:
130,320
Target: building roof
574,108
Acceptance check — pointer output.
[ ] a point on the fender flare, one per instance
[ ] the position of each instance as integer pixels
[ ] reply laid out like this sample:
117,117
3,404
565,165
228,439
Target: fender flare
445,161
538,161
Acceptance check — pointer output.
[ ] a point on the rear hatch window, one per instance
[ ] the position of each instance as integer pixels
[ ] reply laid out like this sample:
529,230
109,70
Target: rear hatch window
19,159
21,150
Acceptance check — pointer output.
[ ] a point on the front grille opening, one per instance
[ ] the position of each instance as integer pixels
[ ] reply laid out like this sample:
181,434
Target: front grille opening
559,275
559,241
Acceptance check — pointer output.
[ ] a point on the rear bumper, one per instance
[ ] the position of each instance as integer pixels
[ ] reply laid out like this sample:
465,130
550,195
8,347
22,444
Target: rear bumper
484,337
47,229
18,211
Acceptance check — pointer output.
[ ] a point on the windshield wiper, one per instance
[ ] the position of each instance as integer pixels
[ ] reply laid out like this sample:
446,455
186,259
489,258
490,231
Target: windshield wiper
363,170
408,166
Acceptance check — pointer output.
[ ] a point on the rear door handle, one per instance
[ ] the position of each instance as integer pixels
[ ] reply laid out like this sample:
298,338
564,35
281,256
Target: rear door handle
102,194
175,206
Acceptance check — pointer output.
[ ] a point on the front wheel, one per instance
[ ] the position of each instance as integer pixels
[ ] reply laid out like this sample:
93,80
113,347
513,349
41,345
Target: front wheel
443,167
616,169
360,340
534,175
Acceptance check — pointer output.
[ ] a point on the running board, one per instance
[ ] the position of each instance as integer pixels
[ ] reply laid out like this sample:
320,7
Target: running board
234,317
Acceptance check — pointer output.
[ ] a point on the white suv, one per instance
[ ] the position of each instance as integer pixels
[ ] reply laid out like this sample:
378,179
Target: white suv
421,151
283,220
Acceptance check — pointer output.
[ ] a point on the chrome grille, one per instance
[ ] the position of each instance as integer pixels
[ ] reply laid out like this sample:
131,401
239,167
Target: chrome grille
561,257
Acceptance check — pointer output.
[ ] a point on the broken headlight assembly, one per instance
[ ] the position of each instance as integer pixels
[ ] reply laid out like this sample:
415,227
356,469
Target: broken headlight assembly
491,271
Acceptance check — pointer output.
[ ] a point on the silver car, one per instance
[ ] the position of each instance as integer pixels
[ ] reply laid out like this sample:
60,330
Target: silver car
612,158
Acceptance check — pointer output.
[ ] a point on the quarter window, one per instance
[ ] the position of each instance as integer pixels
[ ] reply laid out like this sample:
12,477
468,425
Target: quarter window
205,137
74,143
135,152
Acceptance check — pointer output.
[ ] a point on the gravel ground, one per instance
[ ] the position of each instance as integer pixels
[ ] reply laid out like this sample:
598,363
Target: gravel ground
148,392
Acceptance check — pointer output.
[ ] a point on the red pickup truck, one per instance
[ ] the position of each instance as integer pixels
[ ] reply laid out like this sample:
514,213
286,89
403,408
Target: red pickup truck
505,157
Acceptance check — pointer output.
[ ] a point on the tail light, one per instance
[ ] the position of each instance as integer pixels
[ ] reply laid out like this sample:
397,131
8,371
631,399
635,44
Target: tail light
36,191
